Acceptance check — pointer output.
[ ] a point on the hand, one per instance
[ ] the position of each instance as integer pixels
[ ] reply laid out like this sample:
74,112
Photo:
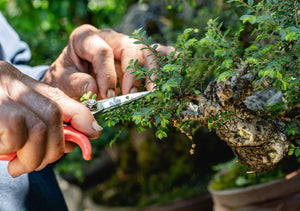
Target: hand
94,59
31,121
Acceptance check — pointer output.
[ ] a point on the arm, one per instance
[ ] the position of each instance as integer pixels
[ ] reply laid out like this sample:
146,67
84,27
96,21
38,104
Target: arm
32,113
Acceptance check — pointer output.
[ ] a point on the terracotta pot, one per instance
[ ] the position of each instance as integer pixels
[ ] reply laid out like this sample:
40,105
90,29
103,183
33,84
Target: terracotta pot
280,194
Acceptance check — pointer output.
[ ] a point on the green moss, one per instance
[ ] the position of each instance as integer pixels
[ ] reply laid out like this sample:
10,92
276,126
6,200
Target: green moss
234,175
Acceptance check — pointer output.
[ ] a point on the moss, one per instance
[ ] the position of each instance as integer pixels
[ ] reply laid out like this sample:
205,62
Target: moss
233,174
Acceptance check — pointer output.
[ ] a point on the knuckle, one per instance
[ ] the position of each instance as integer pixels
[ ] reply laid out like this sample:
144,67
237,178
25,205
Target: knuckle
53,113
105,51
85,27
39,130
17,121
54,93
16,126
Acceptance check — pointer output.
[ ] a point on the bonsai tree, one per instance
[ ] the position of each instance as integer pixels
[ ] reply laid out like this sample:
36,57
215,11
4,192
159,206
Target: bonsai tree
247,93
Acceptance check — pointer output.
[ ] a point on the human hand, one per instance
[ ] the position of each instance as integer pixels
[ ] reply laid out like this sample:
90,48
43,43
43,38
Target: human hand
95,59
31,121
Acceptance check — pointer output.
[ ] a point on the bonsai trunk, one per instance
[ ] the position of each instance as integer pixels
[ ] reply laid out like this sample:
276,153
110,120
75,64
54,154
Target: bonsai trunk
232,108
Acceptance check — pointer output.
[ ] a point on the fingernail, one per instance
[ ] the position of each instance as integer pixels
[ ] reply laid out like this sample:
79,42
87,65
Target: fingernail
133,90
110,93
96,127
85,87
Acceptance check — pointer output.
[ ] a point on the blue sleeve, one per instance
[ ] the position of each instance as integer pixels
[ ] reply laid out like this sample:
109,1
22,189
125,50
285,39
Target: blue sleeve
17,52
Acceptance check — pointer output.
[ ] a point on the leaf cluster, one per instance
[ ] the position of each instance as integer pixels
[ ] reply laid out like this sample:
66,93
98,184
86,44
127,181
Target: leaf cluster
272,55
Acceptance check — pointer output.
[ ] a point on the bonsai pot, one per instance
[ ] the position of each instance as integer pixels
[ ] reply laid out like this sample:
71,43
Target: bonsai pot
279,194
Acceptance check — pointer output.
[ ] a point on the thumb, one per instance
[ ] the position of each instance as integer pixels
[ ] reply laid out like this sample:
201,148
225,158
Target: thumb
71,81
75,113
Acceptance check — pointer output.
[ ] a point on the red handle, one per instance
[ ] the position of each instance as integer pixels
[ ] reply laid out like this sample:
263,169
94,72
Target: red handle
80,139
71,135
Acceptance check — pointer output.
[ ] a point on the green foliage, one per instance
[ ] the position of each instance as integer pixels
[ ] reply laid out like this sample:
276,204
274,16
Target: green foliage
178,4
295,149
233,174
86,96
272,55
46,24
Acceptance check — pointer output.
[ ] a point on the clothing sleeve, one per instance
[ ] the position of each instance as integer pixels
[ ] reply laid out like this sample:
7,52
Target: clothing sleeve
17,52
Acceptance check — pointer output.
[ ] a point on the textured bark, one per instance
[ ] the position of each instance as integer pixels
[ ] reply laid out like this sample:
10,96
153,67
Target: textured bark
258,141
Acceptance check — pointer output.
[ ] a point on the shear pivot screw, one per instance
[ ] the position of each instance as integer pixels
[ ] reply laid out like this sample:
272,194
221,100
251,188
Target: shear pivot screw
91,104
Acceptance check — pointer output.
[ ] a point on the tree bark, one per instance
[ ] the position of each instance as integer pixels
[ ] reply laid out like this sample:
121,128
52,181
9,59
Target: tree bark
258,141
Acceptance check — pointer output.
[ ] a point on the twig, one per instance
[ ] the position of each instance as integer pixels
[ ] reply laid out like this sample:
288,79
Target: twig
295,8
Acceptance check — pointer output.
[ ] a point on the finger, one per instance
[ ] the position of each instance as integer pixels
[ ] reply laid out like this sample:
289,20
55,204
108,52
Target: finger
124,50
165,50
48,112
89,46
119,72
72,82
13,131
21,90
151,65
74,112
34,140
31,155
130,84
69,146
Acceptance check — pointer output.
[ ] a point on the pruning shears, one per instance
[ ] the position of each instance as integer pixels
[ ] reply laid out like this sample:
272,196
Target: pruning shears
97,108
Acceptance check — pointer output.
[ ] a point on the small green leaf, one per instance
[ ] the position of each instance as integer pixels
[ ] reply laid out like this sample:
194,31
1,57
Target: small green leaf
138,42
291,151
154,47
216,126
209,126
297,152
223,76
160,134
249,18
227,63
148,41
89,95
135,63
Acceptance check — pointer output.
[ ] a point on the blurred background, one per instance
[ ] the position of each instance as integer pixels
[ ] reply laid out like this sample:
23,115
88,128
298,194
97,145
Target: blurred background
137,170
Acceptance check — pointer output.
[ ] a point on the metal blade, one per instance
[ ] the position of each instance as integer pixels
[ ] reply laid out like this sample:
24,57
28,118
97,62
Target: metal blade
114,102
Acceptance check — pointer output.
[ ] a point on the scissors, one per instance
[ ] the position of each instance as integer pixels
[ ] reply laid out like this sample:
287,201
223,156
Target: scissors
97,108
